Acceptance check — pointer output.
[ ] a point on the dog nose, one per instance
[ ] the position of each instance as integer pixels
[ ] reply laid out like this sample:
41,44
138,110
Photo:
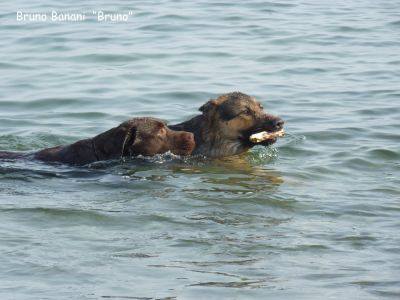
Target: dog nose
188,137
278,123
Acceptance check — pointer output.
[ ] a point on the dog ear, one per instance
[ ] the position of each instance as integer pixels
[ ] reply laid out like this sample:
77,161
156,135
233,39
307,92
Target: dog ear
226,113
115,142
217,105
209,107
131,138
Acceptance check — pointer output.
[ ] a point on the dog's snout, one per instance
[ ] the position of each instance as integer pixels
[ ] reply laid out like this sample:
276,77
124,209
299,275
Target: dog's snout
183,144
272,123
278,123
188,137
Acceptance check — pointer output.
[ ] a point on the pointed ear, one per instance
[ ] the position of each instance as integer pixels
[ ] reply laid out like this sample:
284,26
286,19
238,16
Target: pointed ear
209,107
226,113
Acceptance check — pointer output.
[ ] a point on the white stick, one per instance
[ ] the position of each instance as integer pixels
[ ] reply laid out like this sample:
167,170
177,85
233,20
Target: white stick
264,135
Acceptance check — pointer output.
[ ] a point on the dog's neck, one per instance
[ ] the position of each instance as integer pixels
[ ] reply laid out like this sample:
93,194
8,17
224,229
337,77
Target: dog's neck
108,145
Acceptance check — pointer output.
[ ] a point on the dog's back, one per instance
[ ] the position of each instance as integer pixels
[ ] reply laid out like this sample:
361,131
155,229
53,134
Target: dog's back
11,155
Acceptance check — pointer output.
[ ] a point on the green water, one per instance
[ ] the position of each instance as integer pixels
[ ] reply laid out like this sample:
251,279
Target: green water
316,216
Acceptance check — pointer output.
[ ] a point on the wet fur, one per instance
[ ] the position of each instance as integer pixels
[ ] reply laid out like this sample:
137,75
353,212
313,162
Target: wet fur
137,136
226,123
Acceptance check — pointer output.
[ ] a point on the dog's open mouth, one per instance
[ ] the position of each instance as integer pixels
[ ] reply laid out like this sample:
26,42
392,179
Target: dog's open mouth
265,135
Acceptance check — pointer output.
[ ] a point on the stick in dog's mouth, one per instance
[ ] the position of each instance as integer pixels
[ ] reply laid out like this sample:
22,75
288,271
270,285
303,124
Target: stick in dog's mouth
265,135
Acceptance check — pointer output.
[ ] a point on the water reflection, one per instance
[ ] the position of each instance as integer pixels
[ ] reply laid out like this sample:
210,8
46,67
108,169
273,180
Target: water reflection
233,175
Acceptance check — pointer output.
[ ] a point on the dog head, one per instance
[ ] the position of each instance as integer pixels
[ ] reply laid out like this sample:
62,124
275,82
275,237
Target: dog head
150,136
142,136
236,116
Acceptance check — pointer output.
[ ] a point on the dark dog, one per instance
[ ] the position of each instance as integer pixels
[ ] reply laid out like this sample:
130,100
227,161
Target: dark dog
226,124
137,136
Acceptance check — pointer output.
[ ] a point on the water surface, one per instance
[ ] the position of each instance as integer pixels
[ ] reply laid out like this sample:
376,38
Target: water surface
315,216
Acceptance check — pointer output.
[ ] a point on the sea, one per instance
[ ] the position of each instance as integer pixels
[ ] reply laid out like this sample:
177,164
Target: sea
314,216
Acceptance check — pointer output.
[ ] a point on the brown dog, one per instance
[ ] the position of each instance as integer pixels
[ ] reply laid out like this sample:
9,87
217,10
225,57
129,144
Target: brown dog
137,136
226,124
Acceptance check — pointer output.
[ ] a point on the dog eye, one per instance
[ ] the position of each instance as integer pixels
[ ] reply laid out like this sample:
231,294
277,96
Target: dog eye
248,112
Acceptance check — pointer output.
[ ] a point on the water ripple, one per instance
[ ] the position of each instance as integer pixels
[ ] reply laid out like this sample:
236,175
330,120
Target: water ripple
315,214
